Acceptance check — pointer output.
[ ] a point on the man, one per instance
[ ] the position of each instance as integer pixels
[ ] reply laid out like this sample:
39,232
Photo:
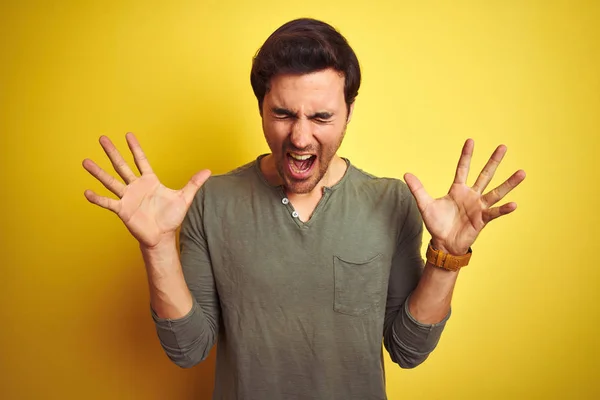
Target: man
298,264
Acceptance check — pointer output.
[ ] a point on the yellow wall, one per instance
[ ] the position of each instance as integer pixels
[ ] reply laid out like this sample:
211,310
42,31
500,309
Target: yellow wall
74,315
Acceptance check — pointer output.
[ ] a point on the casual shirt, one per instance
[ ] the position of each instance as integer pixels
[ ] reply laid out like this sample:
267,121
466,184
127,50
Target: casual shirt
299,310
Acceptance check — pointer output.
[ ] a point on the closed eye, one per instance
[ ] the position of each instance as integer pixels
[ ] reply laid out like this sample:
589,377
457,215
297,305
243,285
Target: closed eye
322,117
282,113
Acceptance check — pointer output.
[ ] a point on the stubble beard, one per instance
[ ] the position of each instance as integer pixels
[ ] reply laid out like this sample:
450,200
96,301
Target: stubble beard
324,157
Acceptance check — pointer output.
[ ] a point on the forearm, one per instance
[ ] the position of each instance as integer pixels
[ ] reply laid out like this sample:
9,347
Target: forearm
413,333
430,301
184,304
414,325
170,297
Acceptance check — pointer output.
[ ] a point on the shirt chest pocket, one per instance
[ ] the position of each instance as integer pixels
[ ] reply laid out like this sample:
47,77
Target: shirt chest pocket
359,286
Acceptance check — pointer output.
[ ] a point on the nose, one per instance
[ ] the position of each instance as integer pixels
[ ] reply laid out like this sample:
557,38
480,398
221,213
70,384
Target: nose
301,133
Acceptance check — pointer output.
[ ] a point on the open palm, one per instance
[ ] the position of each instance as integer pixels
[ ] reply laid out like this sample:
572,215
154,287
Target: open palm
148,209
455,220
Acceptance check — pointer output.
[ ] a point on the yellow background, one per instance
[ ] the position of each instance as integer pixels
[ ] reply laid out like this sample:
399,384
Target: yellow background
74,315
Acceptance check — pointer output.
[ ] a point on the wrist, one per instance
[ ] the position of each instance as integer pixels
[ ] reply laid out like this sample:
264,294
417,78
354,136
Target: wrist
441,246
450,260
441,274
163,254
166,241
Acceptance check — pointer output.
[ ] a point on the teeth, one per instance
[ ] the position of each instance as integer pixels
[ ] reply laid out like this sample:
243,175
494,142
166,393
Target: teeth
300,157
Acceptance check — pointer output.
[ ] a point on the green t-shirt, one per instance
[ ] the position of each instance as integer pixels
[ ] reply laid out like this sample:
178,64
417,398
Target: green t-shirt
299,309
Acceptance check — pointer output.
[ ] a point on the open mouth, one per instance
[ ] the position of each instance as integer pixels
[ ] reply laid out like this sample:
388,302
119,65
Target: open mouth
300,164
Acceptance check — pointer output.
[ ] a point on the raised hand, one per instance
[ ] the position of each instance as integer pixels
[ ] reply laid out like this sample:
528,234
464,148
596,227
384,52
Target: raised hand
455,220
149,210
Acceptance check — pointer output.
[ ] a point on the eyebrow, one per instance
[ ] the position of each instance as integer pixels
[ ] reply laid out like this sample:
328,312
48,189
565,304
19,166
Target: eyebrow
283,111
289,113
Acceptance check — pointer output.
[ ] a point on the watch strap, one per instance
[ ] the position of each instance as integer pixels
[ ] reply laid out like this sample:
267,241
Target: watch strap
447,261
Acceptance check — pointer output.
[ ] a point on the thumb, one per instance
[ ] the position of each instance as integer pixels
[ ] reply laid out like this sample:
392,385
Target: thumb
192,187
418,191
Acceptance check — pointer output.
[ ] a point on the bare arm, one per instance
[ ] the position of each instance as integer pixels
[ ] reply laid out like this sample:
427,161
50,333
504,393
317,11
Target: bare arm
412,331
454,222
430,301
185,316
170,297
409,337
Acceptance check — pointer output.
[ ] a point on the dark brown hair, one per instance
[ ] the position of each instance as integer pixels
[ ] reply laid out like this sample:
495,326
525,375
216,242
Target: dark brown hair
303,46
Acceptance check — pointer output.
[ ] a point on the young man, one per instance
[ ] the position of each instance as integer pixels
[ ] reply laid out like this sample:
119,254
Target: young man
298,264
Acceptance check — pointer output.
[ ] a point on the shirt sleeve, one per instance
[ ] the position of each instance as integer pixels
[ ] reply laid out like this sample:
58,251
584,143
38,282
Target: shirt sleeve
188,340
408,341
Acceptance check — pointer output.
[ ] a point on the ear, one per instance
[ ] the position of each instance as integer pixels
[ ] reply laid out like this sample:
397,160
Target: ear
350,112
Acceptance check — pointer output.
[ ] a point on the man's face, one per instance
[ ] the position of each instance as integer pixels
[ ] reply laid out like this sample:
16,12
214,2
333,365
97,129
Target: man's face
304,121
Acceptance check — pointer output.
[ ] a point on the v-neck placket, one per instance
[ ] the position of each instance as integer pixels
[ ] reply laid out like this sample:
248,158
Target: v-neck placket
327,191
285,201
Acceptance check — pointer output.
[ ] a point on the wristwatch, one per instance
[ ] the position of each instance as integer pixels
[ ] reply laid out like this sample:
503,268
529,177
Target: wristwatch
447,261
